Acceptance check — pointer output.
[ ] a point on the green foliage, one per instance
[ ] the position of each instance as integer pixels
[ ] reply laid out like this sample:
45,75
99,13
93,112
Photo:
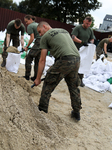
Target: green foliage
32,7
8,4
67,11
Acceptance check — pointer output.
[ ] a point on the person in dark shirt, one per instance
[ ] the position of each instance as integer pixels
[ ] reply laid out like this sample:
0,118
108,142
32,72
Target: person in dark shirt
13,29
34,53
81,35
67,61
102,47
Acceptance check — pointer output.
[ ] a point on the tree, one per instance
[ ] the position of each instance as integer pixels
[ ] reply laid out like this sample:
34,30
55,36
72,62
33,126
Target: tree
32,7
8,4
67,11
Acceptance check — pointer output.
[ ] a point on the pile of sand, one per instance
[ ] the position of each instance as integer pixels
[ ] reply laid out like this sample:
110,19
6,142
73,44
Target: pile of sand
24,127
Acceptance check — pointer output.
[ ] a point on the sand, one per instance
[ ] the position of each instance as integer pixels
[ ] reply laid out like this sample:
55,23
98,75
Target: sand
24,127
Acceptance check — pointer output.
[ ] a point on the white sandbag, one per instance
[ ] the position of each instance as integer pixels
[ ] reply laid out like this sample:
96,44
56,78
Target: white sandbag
13,62
97,78
110,106
22,61
49,62
98,67
86,55
108,66
111,88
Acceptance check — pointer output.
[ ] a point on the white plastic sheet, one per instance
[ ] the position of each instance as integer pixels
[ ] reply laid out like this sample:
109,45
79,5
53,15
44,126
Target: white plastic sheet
13,62
86,56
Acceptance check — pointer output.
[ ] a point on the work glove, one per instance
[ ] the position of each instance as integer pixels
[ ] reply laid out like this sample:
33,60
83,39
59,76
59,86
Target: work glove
84,43
106,55
5,48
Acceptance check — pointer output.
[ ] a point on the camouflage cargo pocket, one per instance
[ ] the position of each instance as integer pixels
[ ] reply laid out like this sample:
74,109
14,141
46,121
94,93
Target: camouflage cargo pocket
34,53
52,77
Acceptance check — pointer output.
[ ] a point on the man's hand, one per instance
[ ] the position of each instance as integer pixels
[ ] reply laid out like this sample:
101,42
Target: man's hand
106,55
37,82
84,43
5,48
26,48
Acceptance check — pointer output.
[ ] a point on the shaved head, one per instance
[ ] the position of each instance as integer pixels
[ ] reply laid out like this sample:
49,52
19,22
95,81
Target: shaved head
43,27
43,23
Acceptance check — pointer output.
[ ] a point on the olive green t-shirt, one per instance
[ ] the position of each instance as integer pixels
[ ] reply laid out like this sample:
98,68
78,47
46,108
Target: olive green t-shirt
12,30
59,43
101,43
83,34
32,28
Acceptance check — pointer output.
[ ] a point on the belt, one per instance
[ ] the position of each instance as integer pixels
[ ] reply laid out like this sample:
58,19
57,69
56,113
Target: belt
68,57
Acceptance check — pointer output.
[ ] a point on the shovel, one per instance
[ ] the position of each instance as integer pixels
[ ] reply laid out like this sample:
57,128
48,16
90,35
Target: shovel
34,83
23,50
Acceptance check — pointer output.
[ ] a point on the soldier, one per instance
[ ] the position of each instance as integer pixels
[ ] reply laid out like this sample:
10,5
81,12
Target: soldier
35,51
13,29
67,61
81,35
102,47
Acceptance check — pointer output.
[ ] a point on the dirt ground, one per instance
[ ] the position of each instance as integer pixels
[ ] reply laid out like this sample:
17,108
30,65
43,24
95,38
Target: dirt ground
24,127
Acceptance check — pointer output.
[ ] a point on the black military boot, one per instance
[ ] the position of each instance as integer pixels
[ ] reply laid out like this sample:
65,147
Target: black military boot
75,115
26,77
3,63
82,84
33,78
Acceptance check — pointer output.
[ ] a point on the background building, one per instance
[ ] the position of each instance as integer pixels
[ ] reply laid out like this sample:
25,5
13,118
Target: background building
107,23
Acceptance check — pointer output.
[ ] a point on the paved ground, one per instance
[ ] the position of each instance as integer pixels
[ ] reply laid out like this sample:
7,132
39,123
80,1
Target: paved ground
109,54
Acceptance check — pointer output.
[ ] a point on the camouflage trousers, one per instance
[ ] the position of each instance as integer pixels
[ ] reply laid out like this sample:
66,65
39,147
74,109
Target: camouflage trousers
67,68
99,51
34,53
15,43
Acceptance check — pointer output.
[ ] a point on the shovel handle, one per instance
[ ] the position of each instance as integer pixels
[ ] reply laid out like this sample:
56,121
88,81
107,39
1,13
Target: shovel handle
34,83
22,50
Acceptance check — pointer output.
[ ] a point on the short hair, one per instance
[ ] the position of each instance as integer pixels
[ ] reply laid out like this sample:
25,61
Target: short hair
18,22
88,18
42,23
30,17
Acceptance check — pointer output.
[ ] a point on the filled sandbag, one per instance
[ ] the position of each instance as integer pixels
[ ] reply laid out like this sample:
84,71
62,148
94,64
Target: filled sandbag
12,49
13,62
86,58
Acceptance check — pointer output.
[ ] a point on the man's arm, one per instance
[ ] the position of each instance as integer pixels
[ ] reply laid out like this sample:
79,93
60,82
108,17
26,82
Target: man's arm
30,41
22,41
41,66
75,39
7,40
105,48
